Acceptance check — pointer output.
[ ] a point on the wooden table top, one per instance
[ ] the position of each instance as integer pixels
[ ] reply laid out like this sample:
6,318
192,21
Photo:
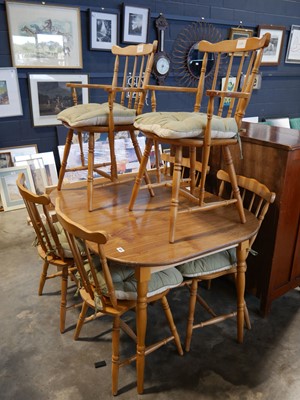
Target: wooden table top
141,237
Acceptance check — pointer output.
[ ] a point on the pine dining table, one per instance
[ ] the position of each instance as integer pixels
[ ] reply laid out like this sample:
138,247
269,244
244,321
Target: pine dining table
140,239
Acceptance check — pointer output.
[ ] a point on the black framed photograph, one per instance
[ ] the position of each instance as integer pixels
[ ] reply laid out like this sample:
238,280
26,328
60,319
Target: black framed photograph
272,53
104,30
293,49
50,95
135,24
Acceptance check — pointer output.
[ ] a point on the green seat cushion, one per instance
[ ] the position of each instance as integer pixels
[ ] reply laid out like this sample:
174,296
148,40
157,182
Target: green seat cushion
93,114
295,123
125,283
177,125
215,262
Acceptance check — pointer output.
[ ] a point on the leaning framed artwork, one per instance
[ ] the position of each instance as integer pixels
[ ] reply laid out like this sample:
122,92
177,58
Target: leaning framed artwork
50,95
10,99
104,30
135,24
10,196
44,36
293,49
272,53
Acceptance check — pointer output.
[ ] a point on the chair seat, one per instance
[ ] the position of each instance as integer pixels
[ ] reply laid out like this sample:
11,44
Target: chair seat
221,261
94,114
177,125
125,282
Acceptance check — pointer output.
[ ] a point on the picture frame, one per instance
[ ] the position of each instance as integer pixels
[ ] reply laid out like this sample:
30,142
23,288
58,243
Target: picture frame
240,33
135,24
10,196
293,49
44,36
38,173
104,30
230,86
10,99
6,160
50,95
49,164
20,151
272,53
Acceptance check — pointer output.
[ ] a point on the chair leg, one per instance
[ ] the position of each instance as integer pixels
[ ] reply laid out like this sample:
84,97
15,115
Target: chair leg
79,134
139,155
81,319
190,322
63,166
140,175
63,302
115,354
43,277
172,325
236,192
90,177
175,193
240,288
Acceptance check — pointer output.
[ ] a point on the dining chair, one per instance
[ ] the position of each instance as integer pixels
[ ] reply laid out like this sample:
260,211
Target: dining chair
111,289
125,99
218,125
51,243
256,198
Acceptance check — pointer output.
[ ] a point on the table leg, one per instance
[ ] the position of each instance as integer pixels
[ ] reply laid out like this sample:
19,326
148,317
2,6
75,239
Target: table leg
143,276
241,252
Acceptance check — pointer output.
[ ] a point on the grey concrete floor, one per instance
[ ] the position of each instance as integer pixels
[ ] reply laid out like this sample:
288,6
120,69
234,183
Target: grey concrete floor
39,363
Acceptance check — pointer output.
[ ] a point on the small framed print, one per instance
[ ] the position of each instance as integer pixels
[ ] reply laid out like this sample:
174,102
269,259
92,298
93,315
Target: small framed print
10,99
240,33
293,50
135,24
44,36
10,196
50,95
6,160
272,53
104,30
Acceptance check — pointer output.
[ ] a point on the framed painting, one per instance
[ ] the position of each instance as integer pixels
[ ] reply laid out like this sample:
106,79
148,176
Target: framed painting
50,95
135,24
10,196
6,160
272,53
10,99
38,173
293,49
104,30
240,33
20,151
44,36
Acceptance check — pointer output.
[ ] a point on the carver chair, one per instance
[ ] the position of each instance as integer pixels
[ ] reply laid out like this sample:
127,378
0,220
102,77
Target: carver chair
51,243
111,289
124,102
219,125
256,198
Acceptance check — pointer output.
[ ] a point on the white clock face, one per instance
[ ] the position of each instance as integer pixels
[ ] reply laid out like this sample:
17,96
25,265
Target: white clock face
163,65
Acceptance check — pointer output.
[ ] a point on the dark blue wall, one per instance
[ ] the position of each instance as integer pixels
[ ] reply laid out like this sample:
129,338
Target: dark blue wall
279,95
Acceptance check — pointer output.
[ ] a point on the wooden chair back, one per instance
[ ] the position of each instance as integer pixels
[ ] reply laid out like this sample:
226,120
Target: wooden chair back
239,58
256,196
41,220
93,287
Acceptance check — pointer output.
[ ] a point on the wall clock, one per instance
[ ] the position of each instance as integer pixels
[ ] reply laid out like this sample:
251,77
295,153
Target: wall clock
162,62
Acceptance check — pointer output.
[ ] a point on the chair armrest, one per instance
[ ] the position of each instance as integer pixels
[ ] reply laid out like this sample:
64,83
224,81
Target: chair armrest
172,88
89,86
221,93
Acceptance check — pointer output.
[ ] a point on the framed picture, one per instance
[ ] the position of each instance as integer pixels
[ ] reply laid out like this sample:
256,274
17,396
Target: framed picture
230,86
6,160
293,50
38,173
50,95
135,24
44,36
49,164
240,33
20,151
272,53
104,30
10,100
10,196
